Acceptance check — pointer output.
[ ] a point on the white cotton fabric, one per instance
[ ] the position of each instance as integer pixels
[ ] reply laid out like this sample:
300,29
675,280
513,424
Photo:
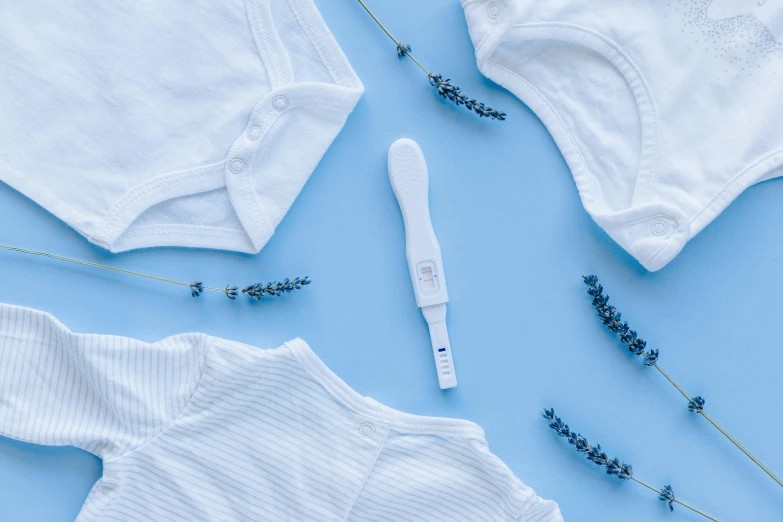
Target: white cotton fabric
168,123
664,111
204,429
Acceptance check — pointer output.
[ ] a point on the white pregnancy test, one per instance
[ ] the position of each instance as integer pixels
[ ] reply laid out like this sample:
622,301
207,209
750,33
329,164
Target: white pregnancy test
410,181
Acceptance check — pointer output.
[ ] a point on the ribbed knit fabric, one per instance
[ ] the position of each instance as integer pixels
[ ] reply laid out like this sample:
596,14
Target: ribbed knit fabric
202,429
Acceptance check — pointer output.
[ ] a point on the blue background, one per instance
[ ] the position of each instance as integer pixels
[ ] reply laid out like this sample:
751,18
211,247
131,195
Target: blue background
515,242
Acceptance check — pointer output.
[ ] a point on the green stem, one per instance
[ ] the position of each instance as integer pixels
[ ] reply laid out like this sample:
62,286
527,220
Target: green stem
379,22
397,42
720,429
741,447
102,267
687,397
680,502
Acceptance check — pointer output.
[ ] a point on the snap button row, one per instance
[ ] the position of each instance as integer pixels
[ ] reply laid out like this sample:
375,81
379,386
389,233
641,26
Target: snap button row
659,227
367,430
280,103
494,10
236,165
254,133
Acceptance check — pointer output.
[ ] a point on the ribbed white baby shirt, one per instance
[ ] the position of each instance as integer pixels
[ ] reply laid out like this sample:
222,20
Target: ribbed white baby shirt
202,429
665,111
168,123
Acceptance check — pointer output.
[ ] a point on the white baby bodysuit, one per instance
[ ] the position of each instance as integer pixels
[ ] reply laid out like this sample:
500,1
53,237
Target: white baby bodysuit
665,111
202,429
168,123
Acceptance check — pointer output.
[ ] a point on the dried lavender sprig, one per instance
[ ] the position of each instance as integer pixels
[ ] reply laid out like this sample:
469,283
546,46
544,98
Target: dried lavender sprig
258,290
232,292
612,319
196,288
613,466
667,495
593,453
451,92
445,88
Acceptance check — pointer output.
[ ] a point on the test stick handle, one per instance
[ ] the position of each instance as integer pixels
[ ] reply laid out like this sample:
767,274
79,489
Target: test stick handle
410,181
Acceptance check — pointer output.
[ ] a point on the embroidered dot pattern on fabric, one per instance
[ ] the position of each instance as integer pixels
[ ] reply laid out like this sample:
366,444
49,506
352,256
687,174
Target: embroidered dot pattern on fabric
746,36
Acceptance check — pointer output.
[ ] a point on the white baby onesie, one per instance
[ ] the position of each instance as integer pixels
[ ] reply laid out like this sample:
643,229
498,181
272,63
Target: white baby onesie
665,111
202,429
168,123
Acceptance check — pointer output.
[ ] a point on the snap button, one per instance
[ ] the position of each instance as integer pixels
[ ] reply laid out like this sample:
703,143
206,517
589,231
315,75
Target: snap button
367,430
659,227
280,103
494,9
237,165
254,133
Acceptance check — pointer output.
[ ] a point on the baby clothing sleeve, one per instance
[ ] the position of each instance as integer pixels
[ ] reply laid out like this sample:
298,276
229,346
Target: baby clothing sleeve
106,395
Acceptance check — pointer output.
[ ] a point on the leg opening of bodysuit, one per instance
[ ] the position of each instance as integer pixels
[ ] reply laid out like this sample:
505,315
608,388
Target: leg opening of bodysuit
206,219
588,106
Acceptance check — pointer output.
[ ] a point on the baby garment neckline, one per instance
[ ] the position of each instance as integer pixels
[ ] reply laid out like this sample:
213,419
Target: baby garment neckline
398,420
